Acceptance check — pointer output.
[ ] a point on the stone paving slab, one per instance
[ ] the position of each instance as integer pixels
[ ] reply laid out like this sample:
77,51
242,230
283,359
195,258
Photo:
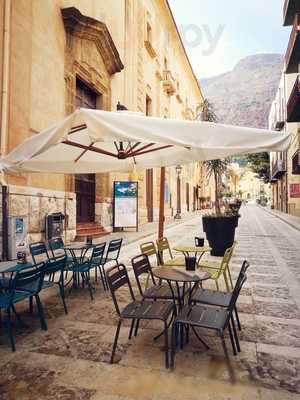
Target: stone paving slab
71,359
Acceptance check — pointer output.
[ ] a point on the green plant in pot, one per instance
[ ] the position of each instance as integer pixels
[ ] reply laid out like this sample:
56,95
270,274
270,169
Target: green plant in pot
218,226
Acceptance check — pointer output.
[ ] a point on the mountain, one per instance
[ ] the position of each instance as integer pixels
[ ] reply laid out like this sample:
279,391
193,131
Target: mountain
244,95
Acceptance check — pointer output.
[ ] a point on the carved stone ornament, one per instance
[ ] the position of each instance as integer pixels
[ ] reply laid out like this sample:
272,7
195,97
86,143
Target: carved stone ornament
89,28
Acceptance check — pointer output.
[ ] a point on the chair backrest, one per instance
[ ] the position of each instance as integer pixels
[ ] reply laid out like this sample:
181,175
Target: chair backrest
238,285
149,249
39,252
56,246
117,277
56,264
113,250
162,245
29,279
98,253
141,265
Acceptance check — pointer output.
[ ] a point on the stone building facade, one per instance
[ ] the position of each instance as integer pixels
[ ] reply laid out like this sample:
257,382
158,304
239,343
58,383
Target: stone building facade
63,54
285,117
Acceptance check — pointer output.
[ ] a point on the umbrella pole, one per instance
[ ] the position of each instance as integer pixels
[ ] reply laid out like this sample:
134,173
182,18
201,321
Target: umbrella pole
161,203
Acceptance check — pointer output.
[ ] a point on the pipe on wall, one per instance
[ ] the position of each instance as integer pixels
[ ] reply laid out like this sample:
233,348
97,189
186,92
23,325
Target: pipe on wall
5,76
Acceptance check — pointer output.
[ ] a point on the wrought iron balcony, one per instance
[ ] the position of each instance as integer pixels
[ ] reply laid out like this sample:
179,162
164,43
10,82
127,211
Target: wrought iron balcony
292,55
168,83
291,7
296,163
293,105
278,169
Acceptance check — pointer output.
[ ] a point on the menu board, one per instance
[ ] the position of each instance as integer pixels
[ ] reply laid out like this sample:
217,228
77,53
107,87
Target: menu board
125,204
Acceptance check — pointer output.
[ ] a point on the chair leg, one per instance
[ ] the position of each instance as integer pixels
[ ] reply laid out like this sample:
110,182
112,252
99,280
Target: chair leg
231,339
88,282
96,277
62,295
102,277
173,344
166,344
115,341
41,312
226,281
230,278
237,318
237,342
131,329
217,284
31,305
136,327
9,330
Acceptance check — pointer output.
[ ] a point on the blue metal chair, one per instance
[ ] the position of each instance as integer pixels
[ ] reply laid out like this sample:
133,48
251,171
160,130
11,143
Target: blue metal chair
39,252
53,268
96,261
112,254
26,283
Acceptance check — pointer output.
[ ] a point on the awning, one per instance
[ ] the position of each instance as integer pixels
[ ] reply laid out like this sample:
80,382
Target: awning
91,141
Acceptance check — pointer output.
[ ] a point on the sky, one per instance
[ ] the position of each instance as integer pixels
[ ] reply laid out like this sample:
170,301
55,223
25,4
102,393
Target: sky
219,33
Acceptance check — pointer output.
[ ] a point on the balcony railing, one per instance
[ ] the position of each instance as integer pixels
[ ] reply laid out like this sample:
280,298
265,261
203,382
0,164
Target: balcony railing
296,163
290,8
293,105
278,169
292,55
169,83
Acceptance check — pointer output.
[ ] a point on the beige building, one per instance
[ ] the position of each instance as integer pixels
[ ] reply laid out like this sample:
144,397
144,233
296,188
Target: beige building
63,54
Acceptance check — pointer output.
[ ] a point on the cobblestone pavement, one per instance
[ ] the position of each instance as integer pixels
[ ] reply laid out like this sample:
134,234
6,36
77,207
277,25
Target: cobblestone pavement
70,360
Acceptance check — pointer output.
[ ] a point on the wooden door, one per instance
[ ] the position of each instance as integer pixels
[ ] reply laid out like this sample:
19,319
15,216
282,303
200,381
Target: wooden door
85,187
85,197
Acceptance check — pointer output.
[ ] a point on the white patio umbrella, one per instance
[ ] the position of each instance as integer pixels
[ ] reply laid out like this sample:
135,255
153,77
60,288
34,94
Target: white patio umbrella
91,141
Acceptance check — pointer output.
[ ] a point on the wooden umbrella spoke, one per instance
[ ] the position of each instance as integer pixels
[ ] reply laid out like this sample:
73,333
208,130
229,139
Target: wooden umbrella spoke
138,153
84,151
132,147
138,150
89,148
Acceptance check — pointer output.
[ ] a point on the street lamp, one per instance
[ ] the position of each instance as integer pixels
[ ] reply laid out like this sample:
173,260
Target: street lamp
178,212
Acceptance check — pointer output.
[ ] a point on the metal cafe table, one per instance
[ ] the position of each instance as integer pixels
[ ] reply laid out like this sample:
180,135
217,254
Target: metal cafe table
188,250
10,267
177,276
78,254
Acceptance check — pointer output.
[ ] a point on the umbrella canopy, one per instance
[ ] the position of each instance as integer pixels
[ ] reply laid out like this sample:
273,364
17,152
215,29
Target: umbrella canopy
91,141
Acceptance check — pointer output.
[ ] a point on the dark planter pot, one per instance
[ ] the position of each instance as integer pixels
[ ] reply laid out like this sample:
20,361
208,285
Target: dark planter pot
220,232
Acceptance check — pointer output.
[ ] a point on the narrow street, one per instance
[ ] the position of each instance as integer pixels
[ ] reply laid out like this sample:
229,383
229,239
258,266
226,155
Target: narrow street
267,368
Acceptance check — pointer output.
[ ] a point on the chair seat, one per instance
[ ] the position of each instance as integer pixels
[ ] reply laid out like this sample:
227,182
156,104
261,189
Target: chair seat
213,297
162,291
148,310
205,317
4,282
18,296
175,262
210,264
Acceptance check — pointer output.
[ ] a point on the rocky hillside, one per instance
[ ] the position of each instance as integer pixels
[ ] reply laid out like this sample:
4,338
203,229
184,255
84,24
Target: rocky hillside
244,95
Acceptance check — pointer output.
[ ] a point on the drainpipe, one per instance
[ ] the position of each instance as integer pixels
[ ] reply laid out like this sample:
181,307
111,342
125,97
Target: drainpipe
4,119
5,76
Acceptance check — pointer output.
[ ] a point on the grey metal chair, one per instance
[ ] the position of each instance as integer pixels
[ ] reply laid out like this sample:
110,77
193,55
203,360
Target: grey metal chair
217,298
211,318
117,277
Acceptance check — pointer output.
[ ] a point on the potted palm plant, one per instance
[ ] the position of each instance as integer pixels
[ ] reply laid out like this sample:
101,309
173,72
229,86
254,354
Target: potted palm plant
218,226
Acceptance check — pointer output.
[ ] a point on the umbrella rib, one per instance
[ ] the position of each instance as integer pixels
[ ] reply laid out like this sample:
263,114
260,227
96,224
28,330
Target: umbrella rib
138,153
77,128
132,147
89,148
84,151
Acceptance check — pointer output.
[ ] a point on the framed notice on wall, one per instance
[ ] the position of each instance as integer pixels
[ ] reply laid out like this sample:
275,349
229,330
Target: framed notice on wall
125,205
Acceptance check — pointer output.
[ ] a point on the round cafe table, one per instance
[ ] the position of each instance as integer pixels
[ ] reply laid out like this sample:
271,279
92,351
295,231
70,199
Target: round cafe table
178,275
188,250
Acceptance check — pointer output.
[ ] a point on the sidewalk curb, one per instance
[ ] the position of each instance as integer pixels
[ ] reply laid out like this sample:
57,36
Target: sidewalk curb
279,217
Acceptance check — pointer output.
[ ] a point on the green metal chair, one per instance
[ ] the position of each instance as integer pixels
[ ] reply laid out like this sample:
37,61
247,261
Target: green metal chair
164,246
